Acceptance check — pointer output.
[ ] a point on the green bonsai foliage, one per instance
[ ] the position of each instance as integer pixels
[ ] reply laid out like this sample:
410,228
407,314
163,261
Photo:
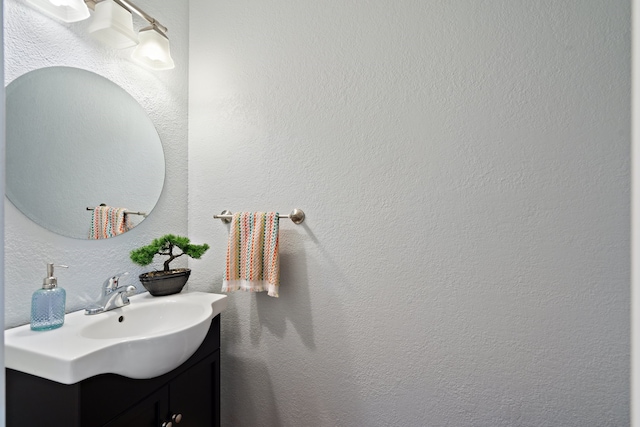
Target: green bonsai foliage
165,245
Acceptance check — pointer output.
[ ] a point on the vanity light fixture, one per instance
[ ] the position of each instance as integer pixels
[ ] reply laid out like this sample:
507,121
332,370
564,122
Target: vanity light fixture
153,49
65,10
113,25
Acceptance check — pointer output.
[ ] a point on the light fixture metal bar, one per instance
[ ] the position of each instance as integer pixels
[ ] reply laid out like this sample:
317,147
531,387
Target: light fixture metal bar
131,8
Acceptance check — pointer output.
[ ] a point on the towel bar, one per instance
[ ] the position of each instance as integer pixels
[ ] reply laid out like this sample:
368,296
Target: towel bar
296,215
127,212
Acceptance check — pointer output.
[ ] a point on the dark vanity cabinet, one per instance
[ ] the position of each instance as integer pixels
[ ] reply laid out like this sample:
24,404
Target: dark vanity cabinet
188,396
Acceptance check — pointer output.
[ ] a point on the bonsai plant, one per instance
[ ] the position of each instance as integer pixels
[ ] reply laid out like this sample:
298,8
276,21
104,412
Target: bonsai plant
166,281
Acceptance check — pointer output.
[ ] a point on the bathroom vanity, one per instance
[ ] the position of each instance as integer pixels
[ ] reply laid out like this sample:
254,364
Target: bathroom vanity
186,396
154,362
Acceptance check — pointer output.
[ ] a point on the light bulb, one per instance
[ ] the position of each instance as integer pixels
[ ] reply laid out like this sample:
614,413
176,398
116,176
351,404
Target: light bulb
65,10
153,50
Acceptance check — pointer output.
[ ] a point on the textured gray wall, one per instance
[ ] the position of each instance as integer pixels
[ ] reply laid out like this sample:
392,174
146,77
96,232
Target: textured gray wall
32,41
465,171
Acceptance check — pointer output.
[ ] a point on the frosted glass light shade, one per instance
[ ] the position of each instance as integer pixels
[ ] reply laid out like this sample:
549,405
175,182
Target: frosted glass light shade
153,50
112,25
65,10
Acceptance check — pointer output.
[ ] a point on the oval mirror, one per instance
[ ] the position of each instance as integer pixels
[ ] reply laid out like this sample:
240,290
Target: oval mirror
76,140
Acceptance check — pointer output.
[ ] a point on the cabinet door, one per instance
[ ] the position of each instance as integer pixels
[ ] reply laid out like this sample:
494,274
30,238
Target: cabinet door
34,401
195,395
150,412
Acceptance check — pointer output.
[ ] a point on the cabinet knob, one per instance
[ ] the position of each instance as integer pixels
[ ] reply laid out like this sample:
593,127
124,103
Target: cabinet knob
167,424
177,418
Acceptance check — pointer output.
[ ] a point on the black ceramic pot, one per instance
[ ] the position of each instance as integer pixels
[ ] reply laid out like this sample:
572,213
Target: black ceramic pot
160,283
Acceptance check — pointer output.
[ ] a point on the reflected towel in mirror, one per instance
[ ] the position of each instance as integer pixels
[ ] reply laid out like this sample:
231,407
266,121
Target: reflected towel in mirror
107,221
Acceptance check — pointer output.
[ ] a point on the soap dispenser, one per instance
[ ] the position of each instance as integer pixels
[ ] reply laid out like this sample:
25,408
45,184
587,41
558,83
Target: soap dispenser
48,303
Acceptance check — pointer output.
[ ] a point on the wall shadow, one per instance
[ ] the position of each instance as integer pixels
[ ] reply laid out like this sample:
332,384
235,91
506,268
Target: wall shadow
312,385
294,302
245,401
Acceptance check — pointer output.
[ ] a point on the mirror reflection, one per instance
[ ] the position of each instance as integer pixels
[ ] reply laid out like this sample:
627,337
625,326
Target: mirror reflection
75,141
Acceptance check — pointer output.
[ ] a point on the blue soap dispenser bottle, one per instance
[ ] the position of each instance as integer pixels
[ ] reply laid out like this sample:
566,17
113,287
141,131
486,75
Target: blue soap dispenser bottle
48,303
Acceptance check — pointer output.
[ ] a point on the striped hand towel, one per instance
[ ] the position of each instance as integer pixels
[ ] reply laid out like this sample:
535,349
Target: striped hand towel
108,222
252,254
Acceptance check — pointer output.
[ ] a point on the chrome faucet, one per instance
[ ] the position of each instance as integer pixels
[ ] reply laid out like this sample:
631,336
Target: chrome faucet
113,295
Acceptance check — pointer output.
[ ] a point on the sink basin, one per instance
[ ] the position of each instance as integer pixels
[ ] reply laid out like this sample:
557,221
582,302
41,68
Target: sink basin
144,320
149,337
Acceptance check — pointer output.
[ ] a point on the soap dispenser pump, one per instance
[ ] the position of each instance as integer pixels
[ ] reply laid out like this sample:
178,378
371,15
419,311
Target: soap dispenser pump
48,303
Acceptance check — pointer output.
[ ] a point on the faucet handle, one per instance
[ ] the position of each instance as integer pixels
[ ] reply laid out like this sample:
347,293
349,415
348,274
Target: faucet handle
129,291
112,282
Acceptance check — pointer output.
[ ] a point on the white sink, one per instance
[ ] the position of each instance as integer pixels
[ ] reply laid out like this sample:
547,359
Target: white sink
149,337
